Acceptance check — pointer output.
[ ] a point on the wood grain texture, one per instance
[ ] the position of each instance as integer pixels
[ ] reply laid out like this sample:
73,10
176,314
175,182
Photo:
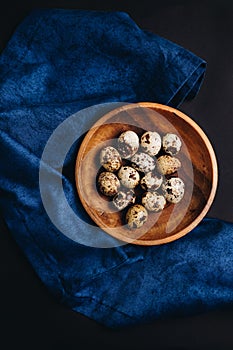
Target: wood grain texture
198,171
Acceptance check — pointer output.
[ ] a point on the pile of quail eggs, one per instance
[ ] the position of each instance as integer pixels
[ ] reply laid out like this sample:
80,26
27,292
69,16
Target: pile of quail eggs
140,174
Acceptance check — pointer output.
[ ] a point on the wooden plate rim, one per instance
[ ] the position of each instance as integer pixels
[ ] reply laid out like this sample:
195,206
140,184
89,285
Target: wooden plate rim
209,147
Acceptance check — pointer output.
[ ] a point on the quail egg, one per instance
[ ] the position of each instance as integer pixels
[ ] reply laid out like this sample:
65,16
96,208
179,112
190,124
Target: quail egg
136,216
171,144
153,201
128,144
151,142
123,198
128,176
173,189
143,162
108,183
151,181
167,164
110,159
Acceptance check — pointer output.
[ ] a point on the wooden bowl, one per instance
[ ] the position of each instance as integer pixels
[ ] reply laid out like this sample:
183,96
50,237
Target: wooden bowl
198,171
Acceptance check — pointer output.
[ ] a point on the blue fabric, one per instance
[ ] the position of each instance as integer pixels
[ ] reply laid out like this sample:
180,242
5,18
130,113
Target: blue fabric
57,63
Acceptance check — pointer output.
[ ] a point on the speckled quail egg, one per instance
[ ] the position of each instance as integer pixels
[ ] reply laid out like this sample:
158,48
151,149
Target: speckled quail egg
128,144
108,183
143,162
128,176
110,159
151,142
123,198
171,144
173,189
167,164
151,181
153,201
136,216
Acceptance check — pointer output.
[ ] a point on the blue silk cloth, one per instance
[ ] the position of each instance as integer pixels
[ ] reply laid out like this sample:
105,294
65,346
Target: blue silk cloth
57,63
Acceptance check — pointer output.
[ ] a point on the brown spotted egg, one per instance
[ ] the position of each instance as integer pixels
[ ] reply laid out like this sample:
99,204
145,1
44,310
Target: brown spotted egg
151,142
123,198
128,176
108,183
110,159
136,216
153,201
128,144
171,143
151,181
167,164
173,190
143,162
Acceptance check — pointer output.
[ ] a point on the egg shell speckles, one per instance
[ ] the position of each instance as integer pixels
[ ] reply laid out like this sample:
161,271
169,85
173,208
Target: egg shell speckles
171,144
153,201
173,189
110,159
167,164
143,162
128,144
136,216
151,181
128,176
108,183
124,198
151,142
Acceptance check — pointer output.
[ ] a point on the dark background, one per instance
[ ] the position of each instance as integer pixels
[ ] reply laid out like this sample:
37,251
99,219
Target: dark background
29,317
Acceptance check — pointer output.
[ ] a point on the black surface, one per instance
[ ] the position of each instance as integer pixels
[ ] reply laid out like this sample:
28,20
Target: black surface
30,318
